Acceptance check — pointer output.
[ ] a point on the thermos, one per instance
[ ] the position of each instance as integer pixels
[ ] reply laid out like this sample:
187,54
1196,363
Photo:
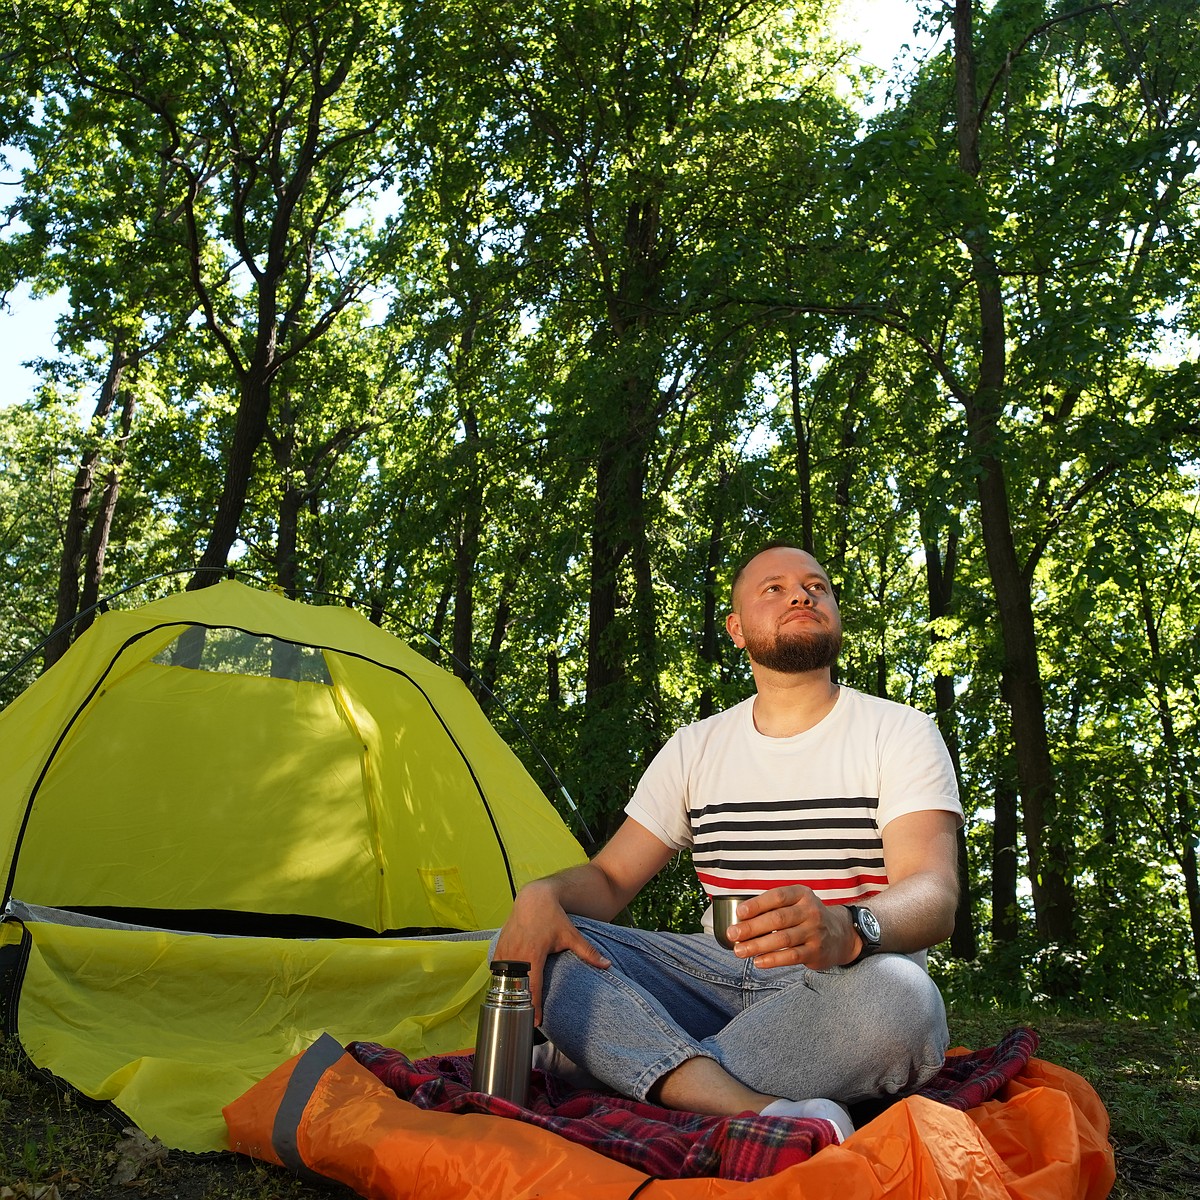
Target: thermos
504,1046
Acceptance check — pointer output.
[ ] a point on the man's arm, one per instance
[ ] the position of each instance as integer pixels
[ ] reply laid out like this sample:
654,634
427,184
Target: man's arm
786,926
920,851
539,924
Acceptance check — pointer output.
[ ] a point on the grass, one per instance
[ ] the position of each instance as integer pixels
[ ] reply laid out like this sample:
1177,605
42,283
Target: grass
56,1146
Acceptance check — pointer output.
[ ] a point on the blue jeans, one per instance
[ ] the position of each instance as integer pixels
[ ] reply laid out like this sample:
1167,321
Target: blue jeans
847,1034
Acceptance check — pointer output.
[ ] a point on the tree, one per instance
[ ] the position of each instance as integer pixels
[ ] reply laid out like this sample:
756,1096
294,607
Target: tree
125,287
272,131
632,135
1004,275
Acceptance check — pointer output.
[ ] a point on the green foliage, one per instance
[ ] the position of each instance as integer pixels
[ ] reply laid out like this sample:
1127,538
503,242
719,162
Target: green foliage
672,900
1124,975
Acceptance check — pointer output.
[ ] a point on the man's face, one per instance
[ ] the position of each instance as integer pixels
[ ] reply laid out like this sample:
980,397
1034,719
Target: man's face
784,614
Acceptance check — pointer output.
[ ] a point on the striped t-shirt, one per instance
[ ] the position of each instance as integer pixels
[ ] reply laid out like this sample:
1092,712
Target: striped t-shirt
761,812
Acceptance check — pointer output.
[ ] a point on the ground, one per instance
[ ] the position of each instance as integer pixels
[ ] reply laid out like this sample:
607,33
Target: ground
55,1146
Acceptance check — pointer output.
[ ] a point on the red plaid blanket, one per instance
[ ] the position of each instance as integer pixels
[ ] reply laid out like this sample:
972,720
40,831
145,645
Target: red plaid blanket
658,1141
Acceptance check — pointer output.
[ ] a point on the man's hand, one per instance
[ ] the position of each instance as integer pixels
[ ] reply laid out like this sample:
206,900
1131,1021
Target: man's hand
790,926
538,925
536,928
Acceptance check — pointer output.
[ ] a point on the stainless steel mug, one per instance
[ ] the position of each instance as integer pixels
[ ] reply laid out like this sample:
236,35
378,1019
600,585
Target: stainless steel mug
504,1045
724,914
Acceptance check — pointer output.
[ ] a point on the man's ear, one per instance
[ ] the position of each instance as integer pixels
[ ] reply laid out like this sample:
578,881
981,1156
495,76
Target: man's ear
733,626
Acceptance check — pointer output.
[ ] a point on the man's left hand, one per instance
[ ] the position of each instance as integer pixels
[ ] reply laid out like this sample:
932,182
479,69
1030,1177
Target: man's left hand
789,926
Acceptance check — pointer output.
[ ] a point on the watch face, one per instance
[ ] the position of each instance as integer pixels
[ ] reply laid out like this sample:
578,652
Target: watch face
868,926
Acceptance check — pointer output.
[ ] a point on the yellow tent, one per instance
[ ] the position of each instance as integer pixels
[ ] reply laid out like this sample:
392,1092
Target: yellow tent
232,822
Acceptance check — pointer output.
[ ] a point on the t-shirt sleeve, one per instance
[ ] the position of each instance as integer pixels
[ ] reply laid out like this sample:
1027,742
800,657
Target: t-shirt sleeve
916,772
660,802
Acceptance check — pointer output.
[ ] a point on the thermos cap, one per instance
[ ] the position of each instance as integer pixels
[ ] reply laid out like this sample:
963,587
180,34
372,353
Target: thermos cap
509,967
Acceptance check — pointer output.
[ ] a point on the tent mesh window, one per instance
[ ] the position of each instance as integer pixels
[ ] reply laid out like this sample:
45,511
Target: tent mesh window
236,652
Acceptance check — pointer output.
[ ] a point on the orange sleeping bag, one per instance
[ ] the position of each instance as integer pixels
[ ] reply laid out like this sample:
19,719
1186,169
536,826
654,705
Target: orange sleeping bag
325,1116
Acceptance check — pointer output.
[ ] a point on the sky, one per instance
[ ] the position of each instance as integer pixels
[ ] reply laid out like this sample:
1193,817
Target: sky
881,27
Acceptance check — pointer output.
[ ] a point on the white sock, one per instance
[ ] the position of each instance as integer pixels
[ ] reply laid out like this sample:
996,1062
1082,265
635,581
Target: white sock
548,1057
822,1110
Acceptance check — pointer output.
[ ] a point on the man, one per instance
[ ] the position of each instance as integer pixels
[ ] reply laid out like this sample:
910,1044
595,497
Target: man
815,799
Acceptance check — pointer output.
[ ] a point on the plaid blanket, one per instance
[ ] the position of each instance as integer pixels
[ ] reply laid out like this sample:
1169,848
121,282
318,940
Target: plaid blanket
661,1142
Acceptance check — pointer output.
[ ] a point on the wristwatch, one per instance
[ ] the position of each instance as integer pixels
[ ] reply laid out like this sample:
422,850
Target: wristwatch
866,925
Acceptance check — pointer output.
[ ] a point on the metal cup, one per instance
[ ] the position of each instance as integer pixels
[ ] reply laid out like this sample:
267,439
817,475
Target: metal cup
724,914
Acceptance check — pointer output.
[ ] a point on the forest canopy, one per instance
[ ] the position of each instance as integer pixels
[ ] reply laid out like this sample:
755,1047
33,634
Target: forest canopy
516,324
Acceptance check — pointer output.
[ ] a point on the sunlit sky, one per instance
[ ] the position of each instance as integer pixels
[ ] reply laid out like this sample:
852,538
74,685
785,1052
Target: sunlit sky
881,27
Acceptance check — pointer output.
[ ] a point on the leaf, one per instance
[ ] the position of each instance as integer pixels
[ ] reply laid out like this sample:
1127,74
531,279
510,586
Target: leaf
136,1153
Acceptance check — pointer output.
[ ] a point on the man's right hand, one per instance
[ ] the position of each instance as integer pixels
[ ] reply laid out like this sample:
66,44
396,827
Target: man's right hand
537,927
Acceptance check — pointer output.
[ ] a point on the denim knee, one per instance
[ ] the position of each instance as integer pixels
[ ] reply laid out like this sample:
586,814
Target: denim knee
909,1019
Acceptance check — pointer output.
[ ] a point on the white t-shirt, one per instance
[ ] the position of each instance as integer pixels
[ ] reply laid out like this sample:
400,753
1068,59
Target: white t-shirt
761,812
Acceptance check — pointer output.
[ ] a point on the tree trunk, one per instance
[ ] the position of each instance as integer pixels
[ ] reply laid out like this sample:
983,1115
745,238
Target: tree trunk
285,657
466,551
1191,886
254,407
93,572
1048,870
77,511
1006,921
620,474
802,428
503,617
611,744
1175,782
939,579
291,502
291,498
1053,899
710,637
836,563
439,621
470,506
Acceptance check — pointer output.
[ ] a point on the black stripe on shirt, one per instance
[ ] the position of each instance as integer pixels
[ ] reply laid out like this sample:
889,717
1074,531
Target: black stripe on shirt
833,843
766,865
755,820
825,802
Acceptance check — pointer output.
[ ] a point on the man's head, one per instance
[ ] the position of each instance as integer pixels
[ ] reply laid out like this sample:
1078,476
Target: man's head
784,612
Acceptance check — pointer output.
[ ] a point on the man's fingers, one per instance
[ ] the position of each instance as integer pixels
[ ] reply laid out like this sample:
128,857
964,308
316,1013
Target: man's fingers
584,950
775,899
535,990
782,936
771,942
571,940
780,923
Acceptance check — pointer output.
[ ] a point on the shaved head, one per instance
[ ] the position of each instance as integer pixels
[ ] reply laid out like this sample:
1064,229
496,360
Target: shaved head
740,569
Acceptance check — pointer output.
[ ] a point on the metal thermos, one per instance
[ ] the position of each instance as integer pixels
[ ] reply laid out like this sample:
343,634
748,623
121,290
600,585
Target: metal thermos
504,1047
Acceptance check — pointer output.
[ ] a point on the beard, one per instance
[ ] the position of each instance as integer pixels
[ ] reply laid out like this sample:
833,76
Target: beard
812,650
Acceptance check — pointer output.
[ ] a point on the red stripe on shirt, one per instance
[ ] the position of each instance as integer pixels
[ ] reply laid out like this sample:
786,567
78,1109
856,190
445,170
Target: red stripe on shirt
731,884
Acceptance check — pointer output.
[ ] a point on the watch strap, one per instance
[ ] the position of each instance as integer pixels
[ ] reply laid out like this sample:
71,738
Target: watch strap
868,945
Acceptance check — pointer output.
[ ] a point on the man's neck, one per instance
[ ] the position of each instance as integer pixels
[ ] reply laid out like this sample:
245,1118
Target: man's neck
790,704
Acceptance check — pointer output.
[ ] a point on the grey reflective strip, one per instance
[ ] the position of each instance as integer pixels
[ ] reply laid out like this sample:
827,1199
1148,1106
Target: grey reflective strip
314,1062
